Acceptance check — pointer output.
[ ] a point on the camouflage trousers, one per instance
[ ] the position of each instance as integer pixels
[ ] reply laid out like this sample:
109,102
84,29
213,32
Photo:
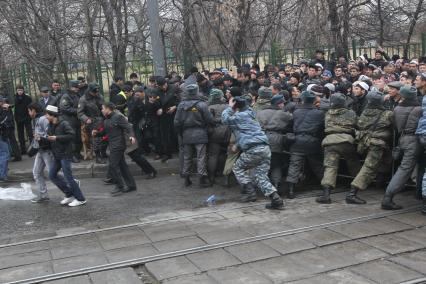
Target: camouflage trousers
369,169
257,160
332,155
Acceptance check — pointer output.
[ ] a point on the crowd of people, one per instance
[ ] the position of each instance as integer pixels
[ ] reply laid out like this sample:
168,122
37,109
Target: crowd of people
267,126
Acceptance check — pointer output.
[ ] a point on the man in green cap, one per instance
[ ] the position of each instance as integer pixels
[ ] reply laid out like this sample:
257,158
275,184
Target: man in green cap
89,113
406,117
68,106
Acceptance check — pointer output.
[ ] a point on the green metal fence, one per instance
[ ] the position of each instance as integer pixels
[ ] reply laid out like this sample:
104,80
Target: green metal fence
26,76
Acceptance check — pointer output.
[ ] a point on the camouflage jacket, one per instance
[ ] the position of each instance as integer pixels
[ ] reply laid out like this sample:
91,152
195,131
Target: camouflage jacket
340,126
382,132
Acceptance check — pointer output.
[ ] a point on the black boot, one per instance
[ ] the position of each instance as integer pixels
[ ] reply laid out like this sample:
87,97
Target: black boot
388,204
290,193
424,206
351,197
250,193
325,198
99,159
108,181
277,202
188,181
204,181
279,188
151,175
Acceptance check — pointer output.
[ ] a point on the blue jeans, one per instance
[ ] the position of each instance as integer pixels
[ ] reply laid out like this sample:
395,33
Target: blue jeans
4,158
67,184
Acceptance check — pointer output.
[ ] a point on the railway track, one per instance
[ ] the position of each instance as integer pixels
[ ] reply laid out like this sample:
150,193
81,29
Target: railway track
173,254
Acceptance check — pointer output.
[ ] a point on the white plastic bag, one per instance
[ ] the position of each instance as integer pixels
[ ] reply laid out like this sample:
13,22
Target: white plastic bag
17,193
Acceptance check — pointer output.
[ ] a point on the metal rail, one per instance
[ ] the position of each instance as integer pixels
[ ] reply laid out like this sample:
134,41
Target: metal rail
415,281
143,260
148,222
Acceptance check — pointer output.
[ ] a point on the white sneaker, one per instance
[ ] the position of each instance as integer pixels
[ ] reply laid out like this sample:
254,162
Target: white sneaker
67,200
76,203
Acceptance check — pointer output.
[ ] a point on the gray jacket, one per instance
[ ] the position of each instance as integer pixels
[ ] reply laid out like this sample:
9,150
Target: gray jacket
275,122
192,120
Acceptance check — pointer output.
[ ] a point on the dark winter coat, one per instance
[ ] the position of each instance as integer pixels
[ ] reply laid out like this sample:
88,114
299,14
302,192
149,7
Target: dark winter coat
218,132
21,108
114,89
89,107
359,104
118,130
50,101
192,120
275,122
308,126
62,147
68,108
406,117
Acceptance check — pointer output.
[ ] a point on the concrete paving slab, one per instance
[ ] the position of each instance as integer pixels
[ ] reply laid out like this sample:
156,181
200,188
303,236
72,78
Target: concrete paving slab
289,244
252,251
191,220
219,236
416,235
122,238
370,228
84,279
281,269
74,246
322,237
25,271
78,262
131,252
116,276
212,259
414,260
266,227
158,233
392,243
202,228
172,267
335,277
242,274
385,272
350,253
24,258
192,279
29,237
413,218
24,248
178,244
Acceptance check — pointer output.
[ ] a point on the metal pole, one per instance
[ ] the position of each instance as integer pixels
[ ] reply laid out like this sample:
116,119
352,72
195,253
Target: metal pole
156,42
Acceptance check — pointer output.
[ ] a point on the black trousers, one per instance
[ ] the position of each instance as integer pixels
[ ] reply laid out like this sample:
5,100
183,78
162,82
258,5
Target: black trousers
16,152
139,159
22,128
119,170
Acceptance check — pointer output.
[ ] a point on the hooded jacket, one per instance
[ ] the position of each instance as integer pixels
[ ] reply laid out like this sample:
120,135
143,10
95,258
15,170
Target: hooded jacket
245,127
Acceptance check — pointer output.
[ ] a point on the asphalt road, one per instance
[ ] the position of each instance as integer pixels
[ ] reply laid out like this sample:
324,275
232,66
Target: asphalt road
166,193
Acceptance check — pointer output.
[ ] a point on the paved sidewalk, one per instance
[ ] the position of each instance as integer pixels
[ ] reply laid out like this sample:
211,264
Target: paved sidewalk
386,250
